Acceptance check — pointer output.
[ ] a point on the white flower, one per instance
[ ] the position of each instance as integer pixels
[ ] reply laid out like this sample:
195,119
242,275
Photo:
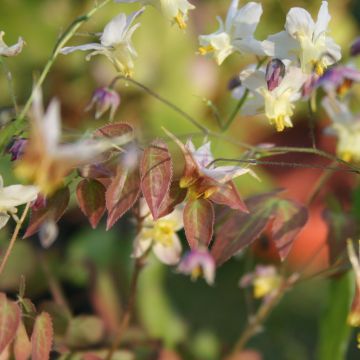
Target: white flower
277,104
237,34
346,127
13,196
160,235
305,40
115,43
174,10
10,50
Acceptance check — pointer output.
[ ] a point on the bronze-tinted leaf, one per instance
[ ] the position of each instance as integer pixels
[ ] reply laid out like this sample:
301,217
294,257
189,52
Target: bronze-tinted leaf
91,198
199,222
54,209
114,130
22,344
9,321
121,195
174,196
290,218
241,229
42,337
156,175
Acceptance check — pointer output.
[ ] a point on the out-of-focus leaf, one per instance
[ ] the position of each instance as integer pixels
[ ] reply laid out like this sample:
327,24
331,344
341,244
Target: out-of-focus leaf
113,130
91,198
29,310
156,175
59,314
84,331
199,222
9,321
105,300
54,209
290,219
121,195
42,337
341,226
173,197
241,229
334,331
22,344
228,195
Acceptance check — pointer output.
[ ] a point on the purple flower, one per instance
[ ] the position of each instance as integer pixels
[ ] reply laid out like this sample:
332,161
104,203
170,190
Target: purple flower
275,72
338,79
104,99
355,47
197,263
17,148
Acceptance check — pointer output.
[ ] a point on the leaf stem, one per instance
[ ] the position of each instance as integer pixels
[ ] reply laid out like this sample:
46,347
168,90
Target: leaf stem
13,238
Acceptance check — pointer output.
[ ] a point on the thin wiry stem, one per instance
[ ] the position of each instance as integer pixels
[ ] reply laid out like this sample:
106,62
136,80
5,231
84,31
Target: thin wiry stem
15,127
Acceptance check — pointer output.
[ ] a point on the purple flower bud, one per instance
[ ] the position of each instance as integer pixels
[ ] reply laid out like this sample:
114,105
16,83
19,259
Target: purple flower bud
275,72
310,85
39,203
104,99
16,150
198,262
355,47
234,83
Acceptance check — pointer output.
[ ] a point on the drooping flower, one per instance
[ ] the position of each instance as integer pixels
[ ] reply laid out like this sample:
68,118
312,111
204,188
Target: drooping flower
160,235
197,263
276,102
46,161
346,127
265,281
13,50
235,35
16,149
115,43
104,99
174,10
13,196
305,40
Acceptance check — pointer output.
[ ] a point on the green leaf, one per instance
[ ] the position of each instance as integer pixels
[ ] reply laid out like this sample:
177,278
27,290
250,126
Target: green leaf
334,330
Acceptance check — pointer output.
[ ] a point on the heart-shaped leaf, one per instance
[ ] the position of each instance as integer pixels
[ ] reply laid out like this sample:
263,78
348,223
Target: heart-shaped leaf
156,175
91,198
199,222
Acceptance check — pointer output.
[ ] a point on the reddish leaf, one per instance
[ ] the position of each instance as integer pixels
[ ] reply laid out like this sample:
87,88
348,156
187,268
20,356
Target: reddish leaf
228,195
121,195
91,198
9,321
174,196
199,222
241,229
54,209
22,345
290,219
114,130
156,175
42,337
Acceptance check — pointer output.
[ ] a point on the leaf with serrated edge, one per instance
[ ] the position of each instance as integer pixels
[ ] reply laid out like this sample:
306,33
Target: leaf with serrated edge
290,218
42,337
22,344
114,130
199,222
91,198
120,197
240,230
156,175
54,209
174,196
9,321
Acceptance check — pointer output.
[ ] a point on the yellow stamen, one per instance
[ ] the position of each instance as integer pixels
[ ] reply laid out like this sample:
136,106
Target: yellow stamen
353,319
278,122
203,50
179,18
196,273
186,182
346,156
210,192
319,68
344,87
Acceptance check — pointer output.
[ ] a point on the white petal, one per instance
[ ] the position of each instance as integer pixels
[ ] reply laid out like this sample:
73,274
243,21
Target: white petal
15,195
113,31
281,45
176,217
231,14
169,255
203,155
141,245
294,79
10,50
299,22
338,111
253,80
51,125
250,45
224,174
322,20
247,19
254,105
334,50
92,46
4,218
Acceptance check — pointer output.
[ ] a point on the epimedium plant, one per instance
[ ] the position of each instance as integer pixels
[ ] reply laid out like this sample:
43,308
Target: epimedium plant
117,173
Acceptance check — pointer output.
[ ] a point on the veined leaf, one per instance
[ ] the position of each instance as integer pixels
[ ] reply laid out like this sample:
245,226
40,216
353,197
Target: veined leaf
9,321
156,175
199,222
91,199
173,197
42,337
54,209
114,130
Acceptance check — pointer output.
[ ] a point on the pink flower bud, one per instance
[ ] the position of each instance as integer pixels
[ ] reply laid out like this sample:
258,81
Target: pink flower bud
275,72
104,99
39,203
